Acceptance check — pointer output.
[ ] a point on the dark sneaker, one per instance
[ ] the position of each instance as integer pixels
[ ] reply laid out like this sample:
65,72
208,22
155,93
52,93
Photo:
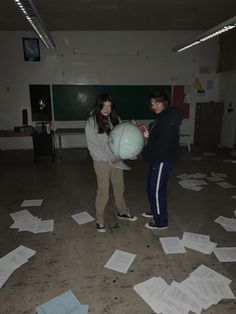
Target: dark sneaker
101,228
147,215
152,225
127,216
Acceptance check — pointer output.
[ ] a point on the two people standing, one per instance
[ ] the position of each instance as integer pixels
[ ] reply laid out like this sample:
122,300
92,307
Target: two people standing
161,151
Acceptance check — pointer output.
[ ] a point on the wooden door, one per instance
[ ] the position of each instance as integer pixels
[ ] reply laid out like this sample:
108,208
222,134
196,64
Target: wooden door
208,120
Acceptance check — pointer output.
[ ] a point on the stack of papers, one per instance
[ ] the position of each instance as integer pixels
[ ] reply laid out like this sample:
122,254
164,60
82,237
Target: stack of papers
10,262
191,181
198,242
120,261
229,224
82,218
66,303
25,221
203,288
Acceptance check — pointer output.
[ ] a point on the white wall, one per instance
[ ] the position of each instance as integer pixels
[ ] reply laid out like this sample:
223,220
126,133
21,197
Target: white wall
228,96
112,58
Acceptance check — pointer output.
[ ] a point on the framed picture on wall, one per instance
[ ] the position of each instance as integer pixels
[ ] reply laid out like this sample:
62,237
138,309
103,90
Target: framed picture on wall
31,49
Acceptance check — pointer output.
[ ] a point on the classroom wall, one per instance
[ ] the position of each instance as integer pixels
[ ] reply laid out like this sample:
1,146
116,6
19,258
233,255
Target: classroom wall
228,96
104,57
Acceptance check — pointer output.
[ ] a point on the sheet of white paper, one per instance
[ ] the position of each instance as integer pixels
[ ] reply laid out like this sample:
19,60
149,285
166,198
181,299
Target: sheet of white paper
179,296
219,174
214,289
225,185
120,261
193,182
12,261
184,176
29,203
21,215
82,218
206,273
229,224
172,245
26,224
205,248
44,226
151,291
226,254
199,175
206,296
198,242
195,188
5,273
24,252
215,179
196,237
195,293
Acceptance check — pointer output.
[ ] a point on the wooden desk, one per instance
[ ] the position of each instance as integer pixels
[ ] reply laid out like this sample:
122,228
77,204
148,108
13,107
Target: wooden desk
67,131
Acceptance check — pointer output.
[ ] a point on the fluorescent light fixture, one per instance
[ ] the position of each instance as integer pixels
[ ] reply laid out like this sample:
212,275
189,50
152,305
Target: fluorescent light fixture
28,9
215,31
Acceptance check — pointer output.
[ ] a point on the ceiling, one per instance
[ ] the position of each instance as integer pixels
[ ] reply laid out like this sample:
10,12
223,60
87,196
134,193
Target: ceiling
74,15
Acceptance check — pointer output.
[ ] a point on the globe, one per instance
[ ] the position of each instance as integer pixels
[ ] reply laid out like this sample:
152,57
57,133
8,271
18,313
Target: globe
126,140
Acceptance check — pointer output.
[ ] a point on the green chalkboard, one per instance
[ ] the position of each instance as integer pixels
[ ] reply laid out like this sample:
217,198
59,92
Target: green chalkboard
74,102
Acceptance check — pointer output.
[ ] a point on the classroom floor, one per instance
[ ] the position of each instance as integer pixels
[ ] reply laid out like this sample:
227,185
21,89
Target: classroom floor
73,257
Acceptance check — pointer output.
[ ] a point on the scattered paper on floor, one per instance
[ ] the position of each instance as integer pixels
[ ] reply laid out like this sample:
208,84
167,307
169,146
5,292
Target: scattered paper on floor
66,303
82,218
120,261
29,203
172,245
225,254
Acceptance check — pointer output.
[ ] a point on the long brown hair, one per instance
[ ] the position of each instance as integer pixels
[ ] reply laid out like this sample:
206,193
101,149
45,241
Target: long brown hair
104,124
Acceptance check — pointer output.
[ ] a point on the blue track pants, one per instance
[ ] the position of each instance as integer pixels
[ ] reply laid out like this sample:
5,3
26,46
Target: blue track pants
159,173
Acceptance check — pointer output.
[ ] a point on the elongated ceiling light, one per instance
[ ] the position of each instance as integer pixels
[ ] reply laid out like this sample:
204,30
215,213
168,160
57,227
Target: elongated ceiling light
28,9
215,31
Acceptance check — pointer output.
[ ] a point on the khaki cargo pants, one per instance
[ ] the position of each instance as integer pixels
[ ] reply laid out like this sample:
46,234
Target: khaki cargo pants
106,174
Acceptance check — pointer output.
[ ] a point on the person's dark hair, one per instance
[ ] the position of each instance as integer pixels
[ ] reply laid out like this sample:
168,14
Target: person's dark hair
104,123
160,96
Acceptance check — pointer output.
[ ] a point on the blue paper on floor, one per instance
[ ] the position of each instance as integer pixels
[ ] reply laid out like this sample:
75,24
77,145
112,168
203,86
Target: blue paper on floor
66,303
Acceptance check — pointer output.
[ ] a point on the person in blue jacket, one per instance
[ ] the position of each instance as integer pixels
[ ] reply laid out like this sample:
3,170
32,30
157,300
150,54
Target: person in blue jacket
161,151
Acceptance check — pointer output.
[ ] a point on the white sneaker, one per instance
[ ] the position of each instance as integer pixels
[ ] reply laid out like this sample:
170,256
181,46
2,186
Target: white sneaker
147,215
127,216
101,228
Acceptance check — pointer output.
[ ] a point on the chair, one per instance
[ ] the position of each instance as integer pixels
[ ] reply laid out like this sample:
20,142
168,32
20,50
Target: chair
185,141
